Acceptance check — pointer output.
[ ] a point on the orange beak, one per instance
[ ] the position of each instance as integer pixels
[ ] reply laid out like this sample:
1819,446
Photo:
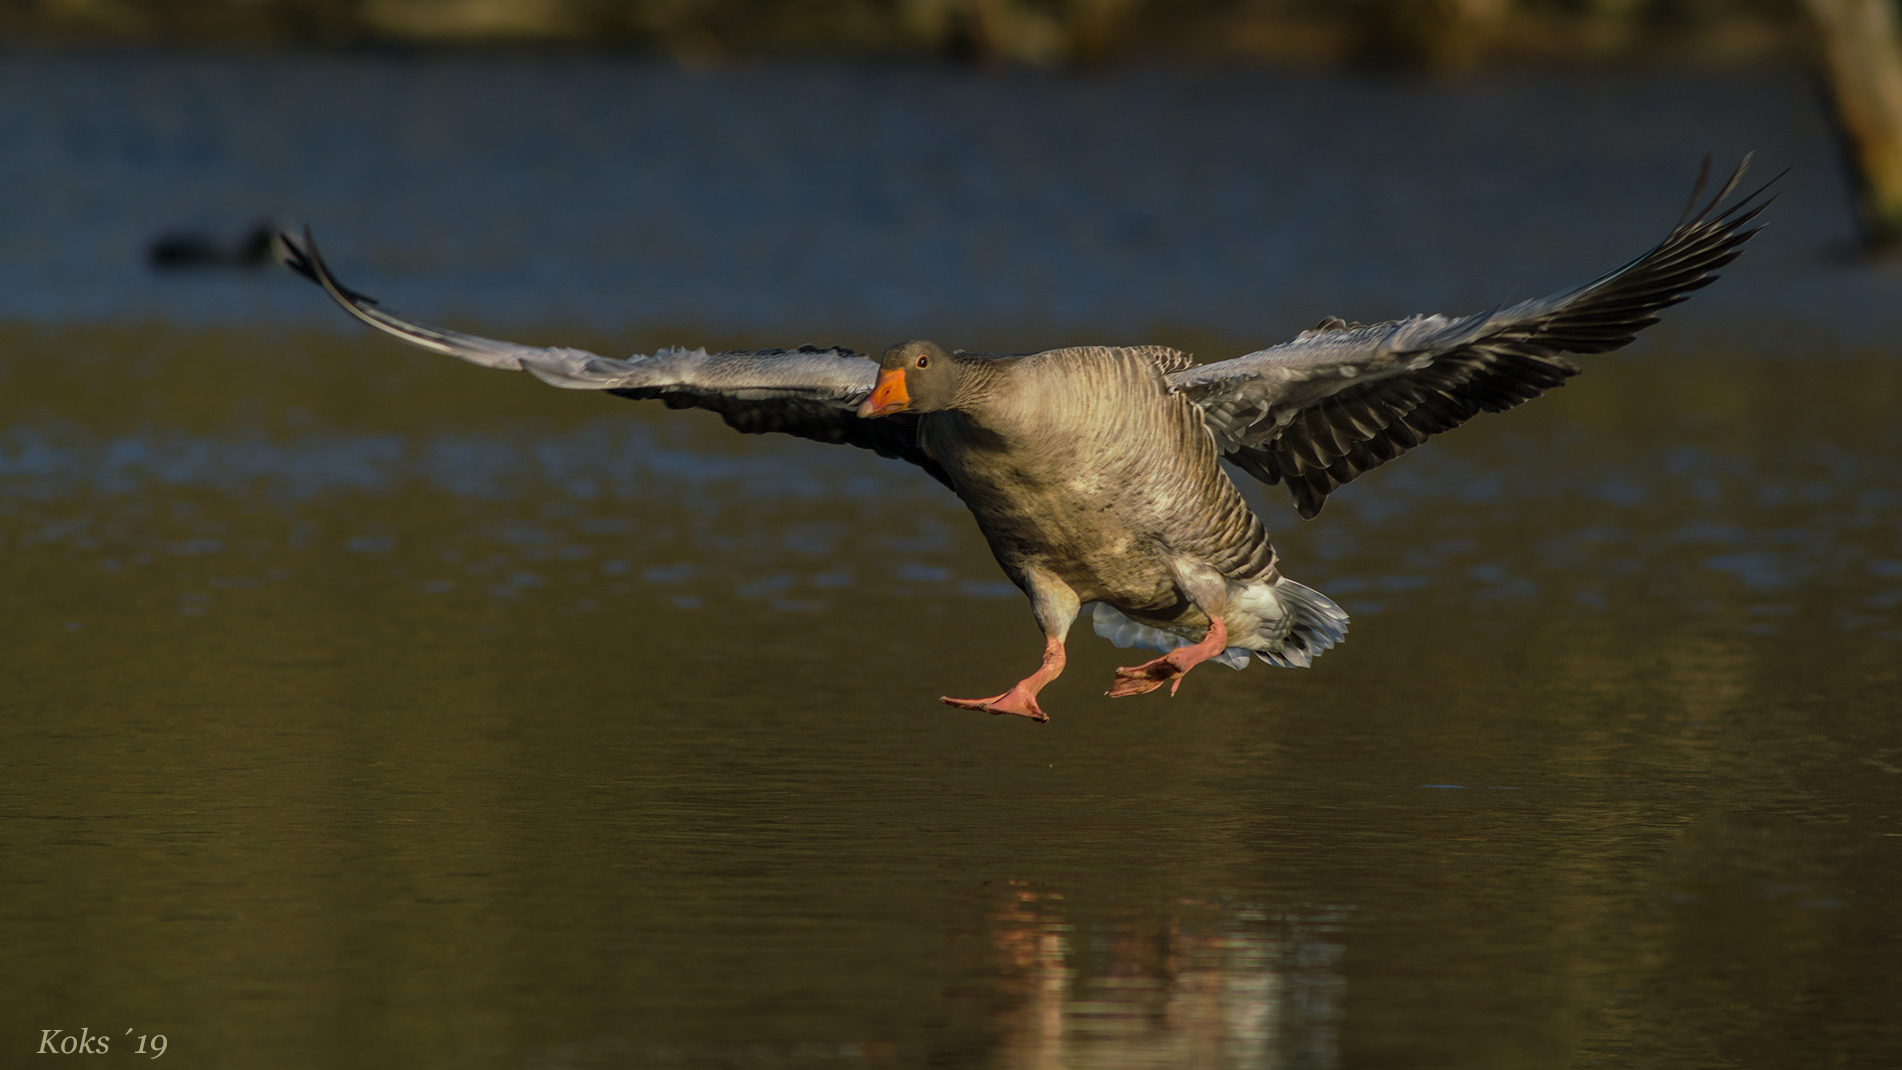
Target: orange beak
888,396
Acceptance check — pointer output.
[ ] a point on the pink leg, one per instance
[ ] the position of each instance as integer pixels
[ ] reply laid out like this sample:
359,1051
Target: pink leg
1022,699
1148,676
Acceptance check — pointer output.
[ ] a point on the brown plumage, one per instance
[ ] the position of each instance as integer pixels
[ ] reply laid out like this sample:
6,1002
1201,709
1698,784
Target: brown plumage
1092,472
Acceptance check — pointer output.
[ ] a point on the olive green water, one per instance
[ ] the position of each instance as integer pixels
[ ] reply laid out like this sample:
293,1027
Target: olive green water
365,709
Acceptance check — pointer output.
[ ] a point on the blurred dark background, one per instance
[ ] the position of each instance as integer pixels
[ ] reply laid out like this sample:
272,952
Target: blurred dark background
1436,33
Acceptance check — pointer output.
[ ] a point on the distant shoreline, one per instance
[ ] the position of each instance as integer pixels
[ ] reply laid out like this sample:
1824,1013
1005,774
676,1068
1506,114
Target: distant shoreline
1432,35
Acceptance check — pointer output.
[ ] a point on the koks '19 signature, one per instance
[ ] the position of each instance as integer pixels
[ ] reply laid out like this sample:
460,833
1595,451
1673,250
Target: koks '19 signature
60,1042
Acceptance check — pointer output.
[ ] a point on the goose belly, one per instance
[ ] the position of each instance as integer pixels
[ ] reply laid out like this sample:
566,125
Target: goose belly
1082,536
1109,505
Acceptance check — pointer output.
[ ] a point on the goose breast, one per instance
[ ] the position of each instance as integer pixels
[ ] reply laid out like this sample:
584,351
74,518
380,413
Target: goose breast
1082,462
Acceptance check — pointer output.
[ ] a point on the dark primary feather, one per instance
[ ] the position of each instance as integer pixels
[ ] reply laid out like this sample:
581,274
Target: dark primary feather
808,392
1345,398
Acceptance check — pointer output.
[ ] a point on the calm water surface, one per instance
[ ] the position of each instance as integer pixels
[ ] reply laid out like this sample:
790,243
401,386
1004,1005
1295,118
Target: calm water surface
366,709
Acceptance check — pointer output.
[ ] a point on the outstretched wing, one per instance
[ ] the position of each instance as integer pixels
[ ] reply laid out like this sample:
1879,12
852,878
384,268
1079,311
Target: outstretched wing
808,392
1345,398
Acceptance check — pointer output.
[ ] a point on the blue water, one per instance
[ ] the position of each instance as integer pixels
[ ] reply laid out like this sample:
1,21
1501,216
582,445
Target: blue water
805,204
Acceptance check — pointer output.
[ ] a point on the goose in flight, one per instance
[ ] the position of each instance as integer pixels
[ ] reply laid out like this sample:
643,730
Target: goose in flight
1092,471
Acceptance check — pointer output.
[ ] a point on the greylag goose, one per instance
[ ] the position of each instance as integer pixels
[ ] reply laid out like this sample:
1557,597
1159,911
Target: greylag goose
1093,471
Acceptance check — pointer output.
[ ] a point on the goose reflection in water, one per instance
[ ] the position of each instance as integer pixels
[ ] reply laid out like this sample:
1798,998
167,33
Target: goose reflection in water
1194,984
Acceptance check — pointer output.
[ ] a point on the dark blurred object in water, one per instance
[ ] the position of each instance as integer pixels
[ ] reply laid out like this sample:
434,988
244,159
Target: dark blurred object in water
195,250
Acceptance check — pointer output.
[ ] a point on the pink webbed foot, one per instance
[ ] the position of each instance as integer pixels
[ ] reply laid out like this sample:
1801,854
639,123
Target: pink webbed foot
1169,668
1018,700
1144,678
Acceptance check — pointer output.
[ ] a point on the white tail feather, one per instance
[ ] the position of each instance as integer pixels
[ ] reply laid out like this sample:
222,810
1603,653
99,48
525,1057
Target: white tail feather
1318,625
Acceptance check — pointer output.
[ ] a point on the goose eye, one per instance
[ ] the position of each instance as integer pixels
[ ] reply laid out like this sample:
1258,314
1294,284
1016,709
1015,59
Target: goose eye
923,360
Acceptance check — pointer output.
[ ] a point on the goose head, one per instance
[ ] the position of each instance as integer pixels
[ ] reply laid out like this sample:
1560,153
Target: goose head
913,377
